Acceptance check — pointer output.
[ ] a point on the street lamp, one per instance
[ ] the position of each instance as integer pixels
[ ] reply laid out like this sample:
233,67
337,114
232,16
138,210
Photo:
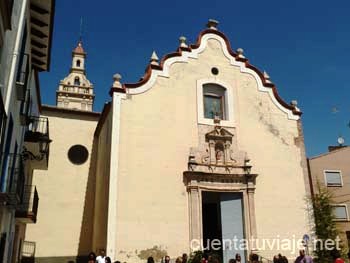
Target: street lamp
44,145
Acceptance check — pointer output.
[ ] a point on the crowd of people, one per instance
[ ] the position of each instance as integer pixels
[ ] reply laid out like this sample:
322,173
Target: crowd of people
102,258
207,258
182,259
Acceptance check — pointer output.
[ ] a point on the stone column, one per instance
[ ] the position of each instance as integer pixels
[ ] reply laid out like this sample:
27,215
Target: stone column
195,224
212,152
252,223
227,152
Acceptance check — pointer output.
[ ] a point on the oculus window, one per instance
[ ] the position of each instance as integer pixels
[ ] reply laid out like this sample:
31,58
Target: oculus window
214,101
78,154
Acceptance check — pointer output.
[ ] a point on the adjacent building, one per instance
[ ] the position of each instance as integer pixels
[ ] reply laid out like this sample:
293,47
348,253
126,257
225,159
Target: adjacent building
63,232
25,46
331,170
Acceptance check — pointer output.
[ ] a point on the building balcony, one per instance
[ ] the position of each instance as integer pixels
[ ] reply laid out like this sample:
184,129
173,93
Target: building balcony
37,143
28,252
12,179
27,210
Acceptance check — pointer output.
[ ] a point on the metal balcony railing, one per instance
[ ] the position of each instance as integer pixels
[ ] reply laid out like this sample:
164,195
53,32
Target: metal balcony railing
74,88
27,210
38,127
12,178
37,139
28,249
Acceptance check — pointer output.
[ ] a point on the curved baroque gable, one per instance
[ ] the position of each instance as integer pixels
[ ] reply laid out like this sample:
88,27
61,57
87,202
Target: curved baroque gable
184,53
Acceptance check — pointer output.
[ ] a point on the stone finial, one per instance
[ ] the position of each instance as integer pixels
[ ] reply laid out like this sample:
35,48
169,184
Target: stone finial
247,164
294,103
117,77
182,41
217,120
267,77
192,156
240,52
154,59
246,159
212,24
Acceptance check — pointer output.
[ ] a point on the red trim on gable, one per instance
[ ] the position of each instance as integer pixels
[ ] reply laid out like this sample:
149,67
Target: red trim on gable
191,47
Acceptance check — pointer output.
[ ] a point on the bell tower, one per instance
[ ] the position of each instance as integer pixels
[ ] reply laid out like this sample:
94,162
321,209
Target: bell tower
75,91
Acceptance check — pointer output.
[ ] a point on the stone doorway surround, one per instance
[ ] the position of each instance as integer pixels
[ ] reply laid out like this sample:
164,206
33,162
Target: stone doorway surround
217,165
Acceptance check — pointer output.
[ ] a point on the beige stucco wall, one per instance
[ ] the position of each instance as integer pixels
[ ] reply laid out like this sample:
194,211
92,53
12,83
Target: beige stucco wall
157,129
336,160
103,148
66,194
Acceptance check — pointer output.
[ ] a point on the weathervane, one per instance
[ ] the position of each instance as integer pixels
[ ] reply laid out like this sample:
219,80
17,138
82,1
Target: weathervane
81,29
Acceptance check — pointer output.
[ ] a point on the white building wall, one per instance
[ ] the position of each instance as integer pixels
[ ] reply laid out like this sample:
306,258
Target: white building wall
9,95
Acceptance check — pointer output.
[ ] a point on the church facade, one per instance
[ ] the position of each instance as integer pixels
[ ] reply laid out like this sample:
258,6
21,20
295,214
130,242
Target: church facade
201,148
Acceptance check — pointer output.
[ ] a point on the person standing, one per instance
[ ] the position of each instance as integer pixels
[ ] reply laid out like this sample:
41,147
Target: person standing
102,257
238,258
184,258
302,258
92,258
337,258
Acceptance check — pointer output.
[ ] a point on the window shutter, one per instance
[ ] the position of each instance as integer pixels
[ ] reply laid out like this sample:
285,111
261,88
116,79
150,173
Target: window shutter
333,178
340,212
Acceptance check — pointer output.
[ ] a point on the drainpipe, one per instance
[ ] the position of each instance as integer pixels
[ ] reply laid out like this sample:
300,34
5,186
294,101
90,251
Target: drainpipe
11,79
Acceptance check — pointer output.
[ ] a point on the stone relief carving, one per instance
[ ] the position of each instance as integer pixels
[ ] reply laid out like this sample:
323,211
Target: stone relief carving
217,151
205,157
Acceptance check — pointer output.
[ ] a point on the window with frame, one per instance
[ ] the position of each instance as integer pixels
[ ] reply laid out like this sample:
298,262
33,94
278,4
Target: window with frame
76,81
214,101
23,62
333,178
340,212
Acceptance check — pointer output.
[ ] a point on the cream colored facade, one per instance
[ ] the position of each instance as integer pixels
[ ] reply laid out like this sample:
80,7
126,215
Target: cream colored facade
65,218
154,154
158,128
64,226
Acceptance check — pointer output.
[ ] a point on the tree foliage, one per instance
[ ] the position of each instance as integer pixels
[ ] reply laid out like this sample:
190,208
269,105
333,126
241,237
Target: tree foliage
325,226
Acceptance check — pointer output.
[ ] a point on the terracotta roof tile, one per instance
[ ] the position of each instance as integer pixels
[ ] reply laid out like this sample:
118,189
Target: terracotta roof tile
79,49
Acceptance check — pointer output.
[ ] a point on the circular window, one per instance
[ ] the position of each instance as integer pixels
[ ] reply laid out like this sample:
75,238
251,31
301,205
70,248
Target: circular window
78,154
215,71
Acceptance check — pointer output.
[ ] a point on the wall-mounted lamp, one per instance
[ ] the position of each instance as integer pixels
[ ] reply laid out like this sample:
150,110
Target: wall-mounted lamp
43,150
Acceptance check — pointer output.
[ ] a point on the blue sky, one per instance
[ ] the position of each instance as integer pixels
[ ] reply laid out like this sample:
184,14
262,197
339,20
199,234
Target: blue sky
303,45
